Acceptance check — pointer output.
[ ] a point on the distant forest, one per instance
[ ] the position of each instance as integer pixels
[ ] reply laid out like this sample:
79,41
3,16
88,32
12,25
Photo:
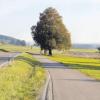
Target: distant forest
11,40
86,46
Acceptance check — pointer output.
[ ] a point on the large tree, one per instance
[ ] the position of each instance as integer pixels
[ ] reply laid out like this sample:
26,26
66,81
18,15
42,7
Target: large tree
50,32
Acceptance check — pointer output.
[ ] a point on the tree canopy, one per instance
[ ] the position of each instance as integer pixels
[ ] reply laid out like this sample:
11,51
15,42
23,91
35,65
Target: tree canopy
50,32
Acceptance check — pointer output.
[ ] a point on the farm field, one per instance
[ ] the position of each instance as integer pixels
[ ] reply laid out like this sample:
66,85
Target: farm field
88,66
84,50
14,48
84,53
76,51
21,79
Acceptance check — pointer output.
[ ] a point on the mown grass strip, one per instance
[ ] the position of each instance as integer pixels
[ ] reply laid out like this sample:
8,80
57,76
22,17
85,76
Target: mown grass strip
88,66
22,79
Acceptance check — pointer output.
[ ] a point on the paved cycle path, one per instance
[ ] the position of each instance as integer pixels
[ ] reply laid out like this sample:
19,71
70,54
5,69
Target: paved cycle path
6,57
70,84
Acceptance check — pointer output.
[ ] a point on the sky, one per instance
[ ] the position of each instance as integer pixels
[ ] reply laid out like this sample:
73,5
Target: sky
81,18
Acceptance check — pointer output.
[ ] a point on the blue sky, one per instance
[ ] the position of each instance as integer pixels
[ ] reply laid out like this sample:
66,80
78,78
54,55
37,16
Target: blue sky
81,17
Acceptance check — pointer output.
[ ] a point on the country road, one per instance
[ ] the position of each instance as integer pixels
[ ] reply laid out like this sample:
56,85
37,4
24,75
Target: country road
69,84
5,57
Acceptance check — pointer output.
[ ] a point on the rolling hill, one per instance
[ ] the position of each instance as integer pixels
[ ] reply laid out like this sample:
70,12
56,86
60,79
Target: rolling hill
86,46
11,40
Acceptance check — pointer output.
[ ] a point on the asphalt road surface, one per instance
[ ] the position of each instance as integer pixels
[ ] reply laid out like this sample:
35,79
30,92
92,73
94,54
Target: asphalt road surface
69,84
5,57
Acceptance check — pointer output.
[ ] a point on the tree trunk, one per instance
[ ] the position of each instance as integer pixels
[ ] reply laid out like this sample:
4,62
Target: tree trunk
41,51
50,52
45,52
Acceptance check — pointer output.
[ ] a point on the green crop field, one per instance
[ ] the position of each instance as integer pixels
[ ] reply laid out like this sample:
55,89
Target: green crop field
88,66
21,79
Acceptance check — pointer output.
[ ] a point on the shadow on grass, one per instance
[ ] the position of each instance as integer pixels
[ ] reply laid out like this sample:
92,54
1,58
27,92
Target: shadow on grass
33,63
80,66
84,62
3,50
57,65
70,66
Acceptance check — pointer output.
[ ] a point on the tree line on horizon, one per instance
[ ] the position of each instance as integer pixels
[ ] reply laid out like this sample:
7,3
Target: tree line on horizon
10,40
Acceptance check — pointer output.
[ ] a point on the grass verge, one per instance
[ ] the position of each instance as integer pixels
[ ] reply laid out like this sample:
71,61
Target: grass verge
88,66
21,79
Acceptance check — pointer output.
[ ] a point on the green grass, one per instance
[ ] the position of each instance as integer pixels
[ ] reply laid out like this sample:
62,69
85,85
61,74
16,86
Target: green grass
90,67
14,48
21,79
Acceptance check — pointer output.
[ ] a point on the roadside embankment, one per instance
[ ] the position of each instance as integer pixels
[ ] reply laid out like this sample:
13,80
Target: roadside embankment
21,79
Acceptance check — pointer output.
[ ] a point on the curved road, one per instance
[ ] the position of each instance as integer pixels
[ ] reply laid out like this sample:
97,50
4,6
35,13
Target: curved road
6,57
69,84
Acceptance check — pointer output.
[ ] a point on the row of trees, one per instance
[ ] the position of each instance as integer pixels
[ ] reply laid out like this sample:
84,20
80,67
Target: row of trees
50,32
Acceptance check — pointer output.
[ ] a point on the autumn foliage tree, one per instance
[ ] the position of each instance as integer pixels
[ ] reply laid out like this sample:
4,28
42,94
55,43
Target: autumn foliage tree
50,32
